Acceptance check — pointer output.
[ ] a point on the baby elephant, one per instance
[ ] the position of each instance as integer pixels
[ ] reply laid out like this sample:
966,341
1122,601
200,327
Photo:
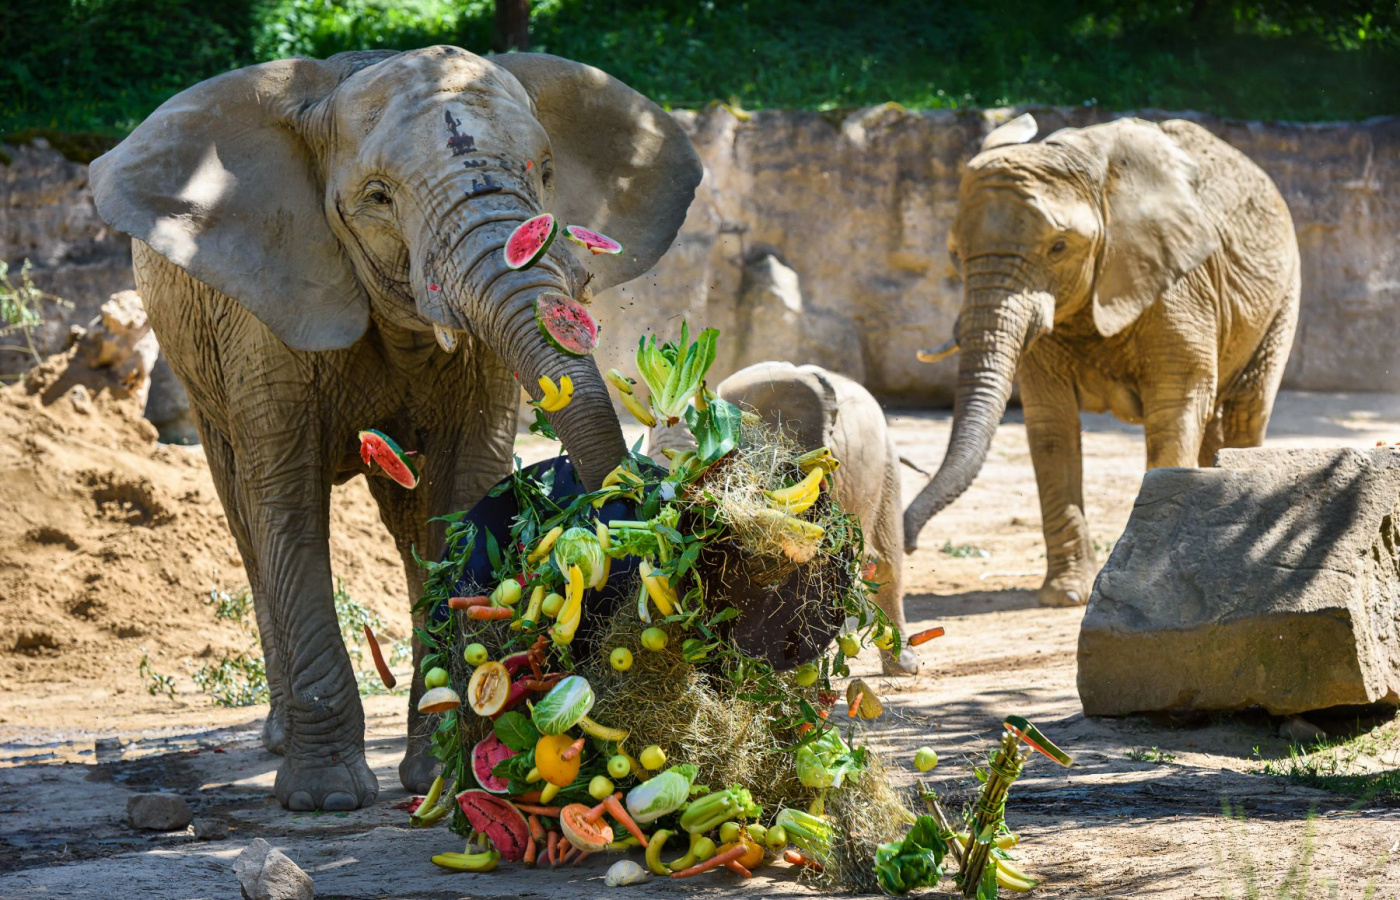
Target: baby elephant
816,407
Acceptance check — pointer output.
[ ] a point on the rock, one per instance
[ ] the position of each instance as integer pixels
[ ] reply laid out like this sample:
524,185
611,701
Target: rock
121,340
1299,730
1270,581
210,829
265,873
168,406
158,812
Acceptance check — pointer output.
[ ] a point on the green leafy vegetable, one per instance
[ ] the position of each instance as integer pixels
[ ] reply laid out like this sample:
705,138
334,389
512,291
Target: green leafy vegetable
716,429
915,862
674,372
516,731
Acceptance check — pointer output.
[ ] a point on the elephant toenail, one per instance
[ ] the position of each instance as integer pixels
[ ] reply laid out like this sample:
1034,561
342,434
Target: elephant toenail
301,802
1072,596
337,801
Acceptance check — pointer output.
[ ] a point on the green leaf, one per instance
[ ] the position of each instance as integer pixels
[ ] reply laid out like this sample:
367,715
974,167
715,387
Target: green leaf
716,429
493,552
916,861
542,427
516,731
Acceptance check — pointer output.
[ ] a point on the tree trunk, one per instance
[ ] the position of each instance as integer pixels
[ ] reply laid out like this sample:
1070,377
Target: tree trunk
512,26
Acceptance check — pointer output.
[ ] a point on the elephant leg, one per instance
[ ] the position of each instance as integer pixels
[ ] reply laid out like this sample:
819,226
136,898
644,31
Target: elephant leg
1212,439
1249,400
1052,429
1177,415
886,538
223,467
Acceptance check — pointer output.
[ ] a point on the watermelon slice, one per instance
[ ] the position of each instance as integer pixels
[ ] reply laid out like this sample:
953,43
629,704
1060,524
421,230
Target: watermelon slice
528,242
566,324
592,240
501,822
486,755
1027,732
378,447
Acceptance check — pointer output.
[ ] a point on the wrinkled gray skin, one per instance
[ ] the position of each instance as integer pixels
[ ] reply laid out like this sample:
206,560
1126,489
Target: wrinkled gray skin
1149,271
319,247
816,408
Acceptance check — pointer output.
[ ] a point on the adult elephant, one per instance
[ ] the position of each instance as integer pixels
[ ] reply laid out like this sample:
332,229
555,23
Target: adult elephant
319,245
1148,270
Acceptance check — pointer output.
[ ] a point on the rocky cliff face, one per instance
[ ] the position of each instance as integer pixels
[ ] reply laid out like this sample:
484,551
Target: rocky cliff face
821,238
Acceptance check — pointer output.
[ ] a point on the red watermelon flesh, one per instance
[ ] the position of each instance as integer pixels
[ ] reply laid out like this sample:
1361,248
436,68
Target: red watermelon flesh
528,242
378,447
566,324
502,823
486,755
598,243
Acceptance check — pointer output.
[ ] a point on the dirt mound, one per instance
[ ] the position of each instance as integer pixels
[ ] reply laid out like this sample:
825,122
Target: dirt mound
113,542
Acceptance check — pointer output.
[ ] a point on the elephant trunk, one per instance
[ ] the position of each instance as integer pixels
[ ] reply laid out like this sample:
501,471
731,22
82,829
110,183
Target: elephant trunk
500,310
993,329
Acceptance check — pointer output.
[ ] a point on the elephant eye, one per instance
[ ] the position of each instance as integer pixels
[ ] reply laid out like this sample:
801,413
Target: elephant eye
1057,248
377,194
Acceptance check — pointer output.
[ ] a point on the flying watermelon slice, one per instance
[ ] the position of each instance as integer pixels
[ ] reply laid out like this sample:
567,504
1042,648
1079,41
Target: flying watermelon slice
592,240
1027,732
528,242
566,324
378,447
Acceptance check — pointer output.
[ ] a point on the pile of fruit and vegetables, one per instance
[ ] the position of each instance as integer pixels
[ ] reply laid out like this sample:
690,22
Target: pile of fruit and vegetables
651,668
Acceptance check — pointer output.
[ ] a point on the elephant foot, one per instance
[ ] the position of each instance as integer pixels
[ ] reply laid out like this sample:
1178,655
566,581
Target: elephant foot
907,664
274,732
335,784
418,768
1065,590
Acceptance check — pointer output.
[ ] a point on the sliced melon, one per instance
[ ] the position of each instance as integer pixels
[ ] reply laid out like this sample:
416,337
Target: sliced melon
529,241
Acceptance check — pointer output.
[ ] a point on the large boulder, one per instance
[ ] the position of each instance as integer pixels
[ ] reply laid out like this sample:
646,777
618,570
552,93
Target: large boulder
1272,580
266,873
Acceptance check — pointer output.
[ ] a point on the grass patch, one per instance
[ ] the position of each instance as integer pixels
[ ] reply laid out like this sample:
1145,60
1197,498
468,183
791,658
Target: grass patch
964,551
1151,755
100,66
1350,766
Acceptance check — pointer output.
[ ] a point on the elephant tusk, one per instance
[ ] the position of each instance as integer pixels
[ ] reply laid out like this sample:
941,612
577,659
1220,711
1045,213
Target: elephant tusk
939,353
445,338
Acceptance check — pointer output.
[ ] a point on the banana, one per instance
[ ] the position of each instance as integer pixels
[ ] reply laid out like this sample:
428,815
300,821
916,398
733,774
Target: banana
797,498
620,476
604,541
467,862
602,732
658,589
639,412
620,381
1013,878
802,527
545,545
555,397
548,792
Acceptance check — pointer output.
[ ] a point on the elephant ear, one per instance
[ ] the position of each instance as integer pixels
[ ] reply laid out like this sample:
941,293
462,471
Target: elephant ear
1017,131
219,181
1155,228
622,164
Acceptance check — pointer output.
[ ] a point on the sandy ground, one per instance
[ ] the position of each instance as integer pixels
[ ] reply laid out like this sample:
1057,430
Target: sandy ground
74,744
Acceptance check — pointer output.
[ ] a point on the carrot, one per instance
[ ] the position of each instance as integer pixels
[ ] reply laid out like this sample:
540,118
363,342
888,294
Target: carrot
531,797
530,850
551,846
738,869
536,828
468,602
384,674
573,750
568,854
797,858
489,613
581,857
924,637
714,862
614,806
530,809
855,707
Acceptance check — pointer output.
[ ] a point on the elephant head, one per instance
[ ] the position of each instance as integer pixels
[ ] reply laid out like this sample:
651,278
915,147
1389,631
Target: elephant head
1091,225
321,194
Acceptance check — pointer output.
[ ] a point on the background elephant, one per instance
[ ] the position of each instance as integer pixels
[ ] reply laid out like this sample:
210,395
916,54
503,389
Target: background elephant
319,245
816,408
1151,271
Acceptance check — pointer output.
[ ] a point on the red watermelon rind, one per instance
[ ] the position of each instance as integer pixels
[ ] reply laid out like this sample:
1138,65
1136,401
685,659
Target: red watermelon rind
592,240
502,823
1027,732
378,447
529,241
486,755
566,324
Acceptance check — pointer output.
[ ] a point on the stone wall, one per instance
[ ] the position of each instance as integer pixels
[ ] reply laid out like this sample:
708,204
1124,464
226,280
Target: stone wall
821,237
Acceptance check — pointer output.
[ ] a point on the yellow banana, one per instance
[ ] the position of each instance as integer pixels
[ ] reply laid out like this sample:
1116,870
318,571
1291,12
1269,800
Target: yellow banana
604,541
602,732
548,793
653,856
555,397
801,526
658,589
797,498
467,862
572,613
532,612
620,381
639,412
545,545
1013,878
621,477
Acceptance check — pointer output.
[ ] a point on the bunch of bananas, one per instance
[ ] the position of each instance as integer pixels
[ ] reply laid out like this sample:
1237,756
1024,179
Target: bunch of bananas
797,498
556,397
629,399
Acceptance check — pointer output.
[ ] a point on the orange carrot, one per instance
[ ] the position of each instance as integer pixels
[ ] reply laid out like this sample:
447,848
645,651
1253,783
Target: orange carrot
384,674
530,809
614,806
530,851
551,848
573,750
568,854
536,828
855,707
738,869
468,602
489,613
714,862
797,858
581,857
924,637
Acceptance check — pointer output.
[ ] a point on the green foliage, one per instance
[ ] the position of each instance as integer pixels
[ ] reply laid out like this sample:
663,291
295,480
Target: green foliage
103,65
1152,755
915,862
22,312
963,551
239,679
1346,765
